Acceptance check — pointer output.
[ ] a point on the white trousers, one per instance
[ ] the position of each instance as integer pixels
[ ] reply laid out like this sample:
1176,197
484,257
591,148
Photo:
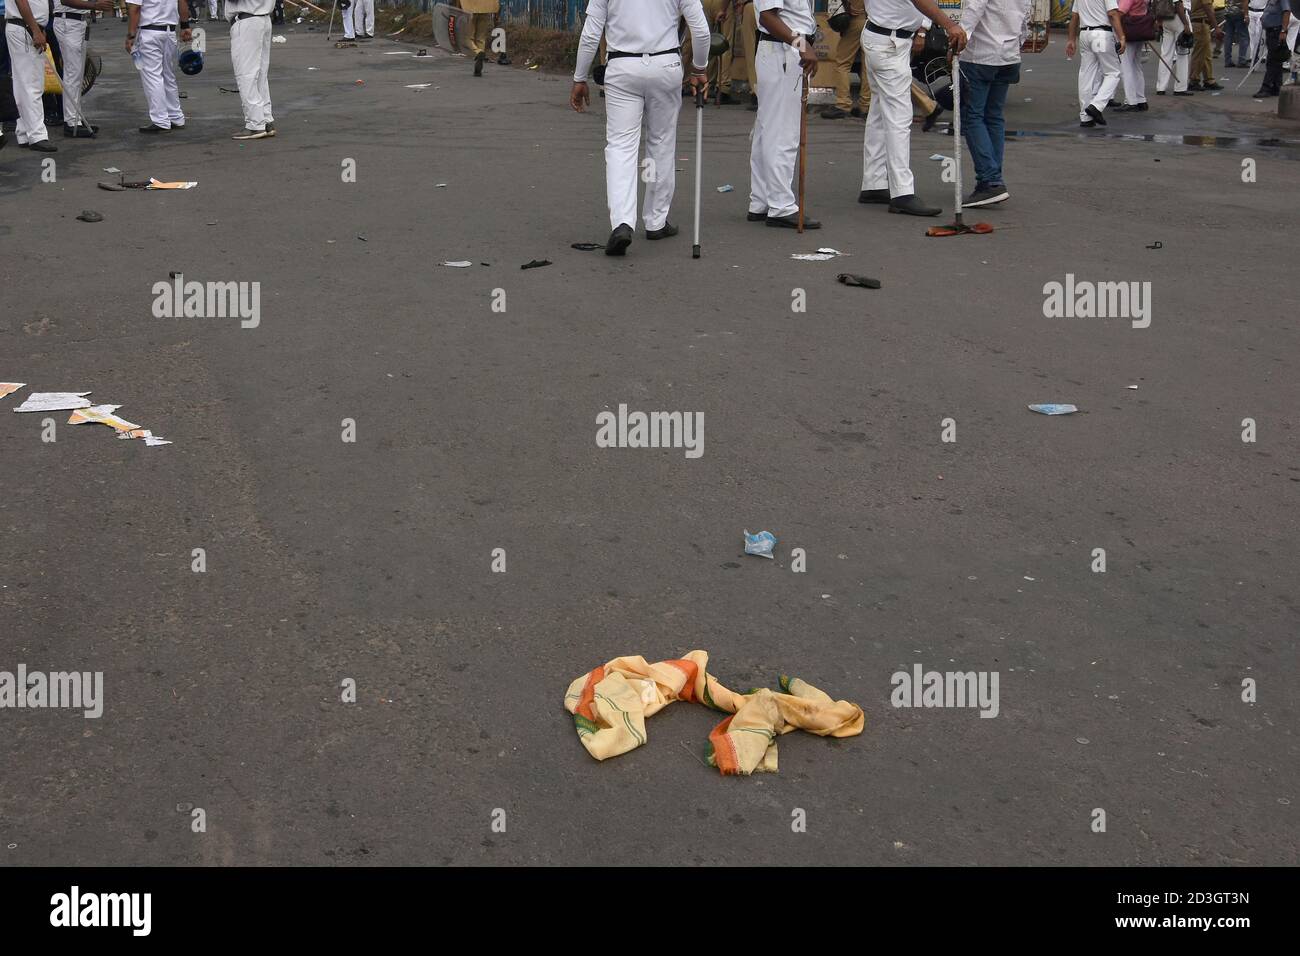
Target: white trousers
637,88
250,55
363,17
1169,54
774,143
28,68
1098,70
158,76
72,43
212,9
349,33
1130,70
886,144
1256,34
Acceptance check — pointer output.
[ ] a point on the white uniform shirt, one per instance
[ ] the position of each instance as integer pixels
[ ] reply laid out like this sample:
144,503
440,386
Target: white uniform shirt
639,26
996,29
796,14
1092,13
156,11
40,11
60,8
894,14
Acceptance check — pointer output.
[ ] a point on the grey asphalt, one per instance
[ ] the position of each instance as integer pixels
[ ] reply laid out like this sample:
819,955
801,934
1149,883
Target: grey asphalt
475,430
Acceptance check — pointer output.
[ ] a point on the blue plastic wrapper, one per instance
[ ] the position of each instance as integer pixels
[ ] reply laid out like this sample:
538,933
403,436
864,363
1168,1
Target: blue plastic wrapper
1053,409
761,544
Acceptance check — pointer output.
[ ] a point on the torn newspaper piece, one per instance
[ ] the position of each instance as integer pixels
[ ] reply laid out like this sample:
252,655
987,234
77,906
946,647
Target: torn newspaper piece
53,401
155,184
8,388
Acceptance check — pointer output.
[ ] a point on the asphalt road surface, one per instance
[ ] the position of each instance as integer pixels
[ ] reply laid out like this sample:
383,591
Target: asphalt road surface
475,430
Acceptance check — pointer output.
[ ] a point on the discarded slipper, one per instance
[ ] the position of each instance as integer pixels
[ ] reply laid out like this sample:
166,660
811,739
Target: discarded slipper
536,264
848,278
960,229
89,215
586,246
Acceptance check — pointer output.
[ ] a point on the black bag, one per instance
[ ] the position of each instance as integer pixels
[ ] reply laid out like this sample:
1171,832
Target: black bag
838,18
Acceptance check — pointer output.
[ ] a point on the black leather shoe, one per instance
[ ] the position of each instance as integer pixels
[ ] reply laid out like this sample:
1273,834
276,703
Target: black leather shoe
619,240
79,132
1183,93
503,60
1088,124
912,206
873,196
478,64
756,216
753,102
792,222
44,146
668,230
1095,114
857,113
154,128
726,99
833,112
931,119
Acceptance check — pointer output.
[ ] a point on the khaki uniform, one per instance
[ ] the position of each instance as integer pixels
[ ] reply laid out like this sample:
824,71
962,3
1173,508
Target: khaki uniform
744,34
480,24
850,43
1202,16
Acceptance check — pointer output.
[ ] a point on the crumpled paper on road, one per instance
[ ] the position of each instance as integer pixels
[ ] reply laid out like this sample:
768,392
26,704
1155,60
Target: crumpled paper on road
610,704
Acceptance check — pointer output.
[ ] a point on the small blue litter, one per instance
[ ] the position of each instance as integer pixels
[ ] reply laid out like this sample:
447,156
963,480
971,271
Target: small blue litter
726,189
760,544
1051,409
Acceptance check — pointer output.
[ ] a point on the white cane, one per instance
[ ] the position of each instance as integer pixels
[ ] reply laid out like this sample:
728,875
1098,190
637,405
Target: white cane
329,30
699,166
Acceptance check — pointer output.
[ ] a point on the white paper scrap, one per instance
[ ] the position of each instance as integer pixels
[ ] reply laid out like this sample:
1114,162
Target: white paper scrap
53,401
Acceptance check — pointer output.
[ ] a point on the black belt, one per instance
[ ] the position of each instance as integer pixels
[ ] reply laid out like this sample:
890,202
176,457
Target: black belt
902,34
21,23
245,16
1107,29
71,16
615,54
771,39
158,26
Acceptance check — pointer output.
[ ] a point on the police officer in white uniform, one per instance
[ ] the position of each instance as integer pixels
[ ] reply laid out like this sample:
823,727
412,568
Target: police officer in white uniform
363,18
1170,30
250,54
151,41
1098,23
26,42
886,143
643,79
71,21
784,55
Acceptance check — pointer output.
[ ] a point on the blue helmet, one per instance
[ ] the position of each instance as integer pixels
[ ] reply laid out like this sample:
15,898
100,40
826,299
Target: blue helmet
191,62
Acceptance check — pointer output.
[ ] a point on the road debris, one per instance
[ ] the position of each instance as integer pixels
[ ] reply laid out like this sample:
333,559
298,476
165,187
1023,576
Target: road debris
89,215
8,388
586,246
1051,408
459,264
849,278
760,544
610,704
535,263
821,255
54,401
727,188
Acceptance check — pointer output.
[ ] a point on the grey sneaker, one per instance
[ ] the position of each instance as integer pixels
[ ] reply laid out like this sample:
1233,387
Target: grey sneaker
986,196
